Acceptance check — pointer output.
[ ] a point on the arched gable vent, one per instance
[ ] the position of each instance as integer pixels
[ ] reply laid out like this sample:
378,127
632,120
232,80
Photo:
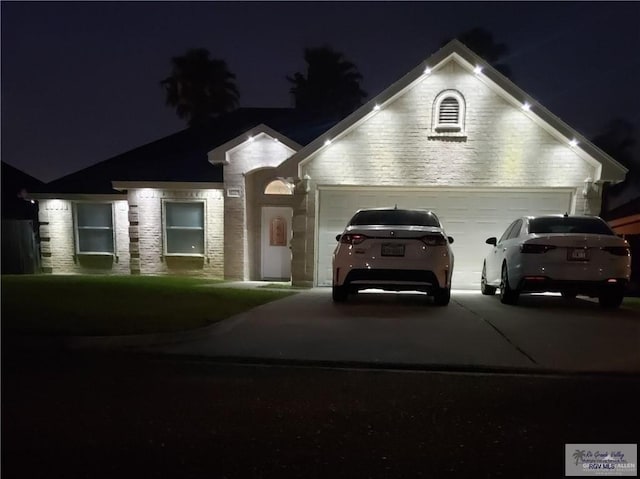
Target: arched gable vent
449,111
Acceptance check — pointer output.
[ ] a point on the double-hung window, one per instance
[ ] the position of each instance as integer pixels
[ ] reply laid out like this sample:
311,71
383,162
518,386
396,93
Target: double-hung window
94,228
184,227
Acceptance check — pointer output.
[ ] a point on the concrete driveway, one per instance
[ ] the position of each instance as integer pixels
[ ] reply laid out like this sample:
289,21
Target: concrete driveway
474,331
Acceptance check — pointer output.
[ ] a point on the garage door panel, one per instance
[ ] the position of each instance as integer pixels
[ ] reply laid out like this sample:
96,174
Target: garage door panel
470,217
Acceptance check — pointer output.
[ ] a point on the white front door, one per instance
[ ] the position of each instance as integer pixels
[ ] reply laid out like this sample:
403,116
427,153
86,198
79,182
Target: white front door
276,239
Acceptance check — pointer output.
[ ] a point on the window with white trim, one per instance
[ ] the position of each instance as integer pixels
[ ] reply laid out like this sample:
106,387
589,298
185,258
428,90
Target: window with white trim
184,227
94,228
278,187
449,111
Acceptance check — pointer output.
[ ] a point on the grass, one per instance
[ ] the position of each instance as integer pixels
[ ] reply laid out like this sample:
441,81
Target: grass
118,305
631,302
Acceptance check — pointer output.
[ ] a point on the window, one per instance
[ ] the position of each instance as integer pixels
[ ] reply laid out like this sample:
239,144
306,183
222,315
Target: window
515,231
94,228
395,217
184,228
449,111
505,235
279,187
567,224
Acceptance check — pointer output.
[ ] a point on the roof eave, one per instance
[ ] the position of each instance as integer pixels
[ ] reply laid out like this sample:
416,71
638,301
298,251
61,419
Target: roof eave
218,156
607,168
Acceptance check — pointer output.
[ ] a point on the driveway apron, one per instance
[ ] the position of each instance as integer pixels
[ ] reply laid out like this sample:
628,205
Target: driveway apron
370,328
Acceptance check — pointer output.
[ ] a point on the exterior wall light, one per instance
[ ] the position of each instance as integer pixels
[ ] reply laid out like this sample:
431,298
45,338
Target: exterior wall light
427,71
526,106
250,139
306,183
327,142
573,142
376,107
477,70
276,140
590,188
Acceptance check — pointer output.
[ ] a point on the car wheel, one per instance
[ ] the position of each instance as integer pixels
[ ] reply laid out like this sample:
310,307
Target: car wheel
569,294
507,295
339,293
484,287
611,298
442,296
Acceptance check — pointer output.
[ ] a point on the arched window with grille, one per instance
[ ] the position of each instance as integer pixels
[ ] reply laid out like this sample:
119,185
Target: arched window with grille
449,111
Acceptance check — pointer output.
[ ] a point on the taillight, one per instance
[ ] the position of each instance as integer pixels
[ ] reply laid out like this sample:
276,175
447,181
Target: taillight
535,248
434,240
352,238
617,250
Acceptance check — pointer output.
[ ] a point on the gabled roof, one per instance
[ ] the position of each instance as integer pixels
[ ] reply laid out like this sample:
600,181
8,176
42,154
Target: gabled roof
608,168
182,157
219,155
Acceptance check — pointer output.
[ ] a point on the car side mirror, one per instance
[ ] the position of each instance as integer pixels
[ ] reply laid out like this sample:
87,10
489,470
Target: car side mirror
450,238
338,237
492,241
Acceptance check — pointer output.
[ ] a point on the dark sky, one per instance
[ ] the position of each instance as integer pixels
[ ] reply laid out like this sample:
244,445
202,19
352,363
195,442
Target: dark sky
80,81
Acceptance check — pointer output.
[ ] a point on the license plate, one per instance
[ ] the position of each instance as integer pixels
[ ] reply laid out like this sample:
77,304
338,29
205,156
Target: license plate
391,249
577,254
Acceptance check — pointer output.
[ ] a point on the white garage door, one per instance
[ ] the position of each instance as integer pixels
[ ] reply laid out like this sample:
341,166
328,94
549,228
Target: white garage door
469,216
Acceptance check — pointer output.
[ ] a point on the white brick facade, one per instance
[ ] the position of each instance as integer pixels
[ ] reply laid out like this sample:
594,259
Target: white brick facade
58,248
262,152
146,233
500,146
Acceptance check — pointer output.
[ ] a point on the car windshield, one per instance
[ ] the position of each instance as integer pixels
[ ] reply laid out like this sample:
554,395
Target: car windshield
395,217
569,225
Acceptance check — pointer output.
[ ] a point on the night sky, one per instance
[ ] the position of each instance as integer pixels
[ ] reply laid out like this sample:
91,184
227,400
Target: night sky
80,81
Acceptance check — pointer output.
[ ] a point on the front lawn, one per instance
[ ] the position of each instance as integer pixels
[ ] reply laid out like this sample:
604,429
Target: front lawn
115,305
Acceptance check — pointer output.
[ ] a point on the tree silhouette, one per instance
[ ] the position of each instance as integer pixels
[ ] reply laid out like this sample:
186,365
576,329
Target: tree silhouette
617,139
331,85
200,87
482,43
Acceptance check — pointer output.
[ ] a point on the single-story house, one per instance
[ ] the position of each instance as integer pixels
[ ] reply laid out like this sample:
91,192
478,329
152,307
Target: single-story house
262,193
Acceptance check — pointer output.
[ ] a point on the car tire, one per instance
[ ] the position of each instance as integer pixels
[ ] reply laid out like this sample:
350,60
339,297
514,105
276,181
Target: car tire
339,294
611,298
507,295
484,287
442,296
569,295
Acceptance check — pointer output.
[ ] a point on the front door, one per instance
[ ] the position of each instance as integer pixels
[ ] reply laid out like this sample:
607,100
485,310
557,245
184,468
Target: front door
276,239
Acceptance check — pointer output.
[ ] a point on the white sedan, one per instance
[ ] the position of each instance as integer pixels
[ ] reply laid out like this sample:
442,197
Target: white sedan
567,254
393,249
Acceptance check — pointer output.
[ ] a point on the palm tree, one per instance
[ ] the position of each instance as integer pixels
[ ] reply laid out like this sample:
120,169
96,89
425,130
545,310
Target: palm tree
579,455
200,87
331,84
618,139
482,43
